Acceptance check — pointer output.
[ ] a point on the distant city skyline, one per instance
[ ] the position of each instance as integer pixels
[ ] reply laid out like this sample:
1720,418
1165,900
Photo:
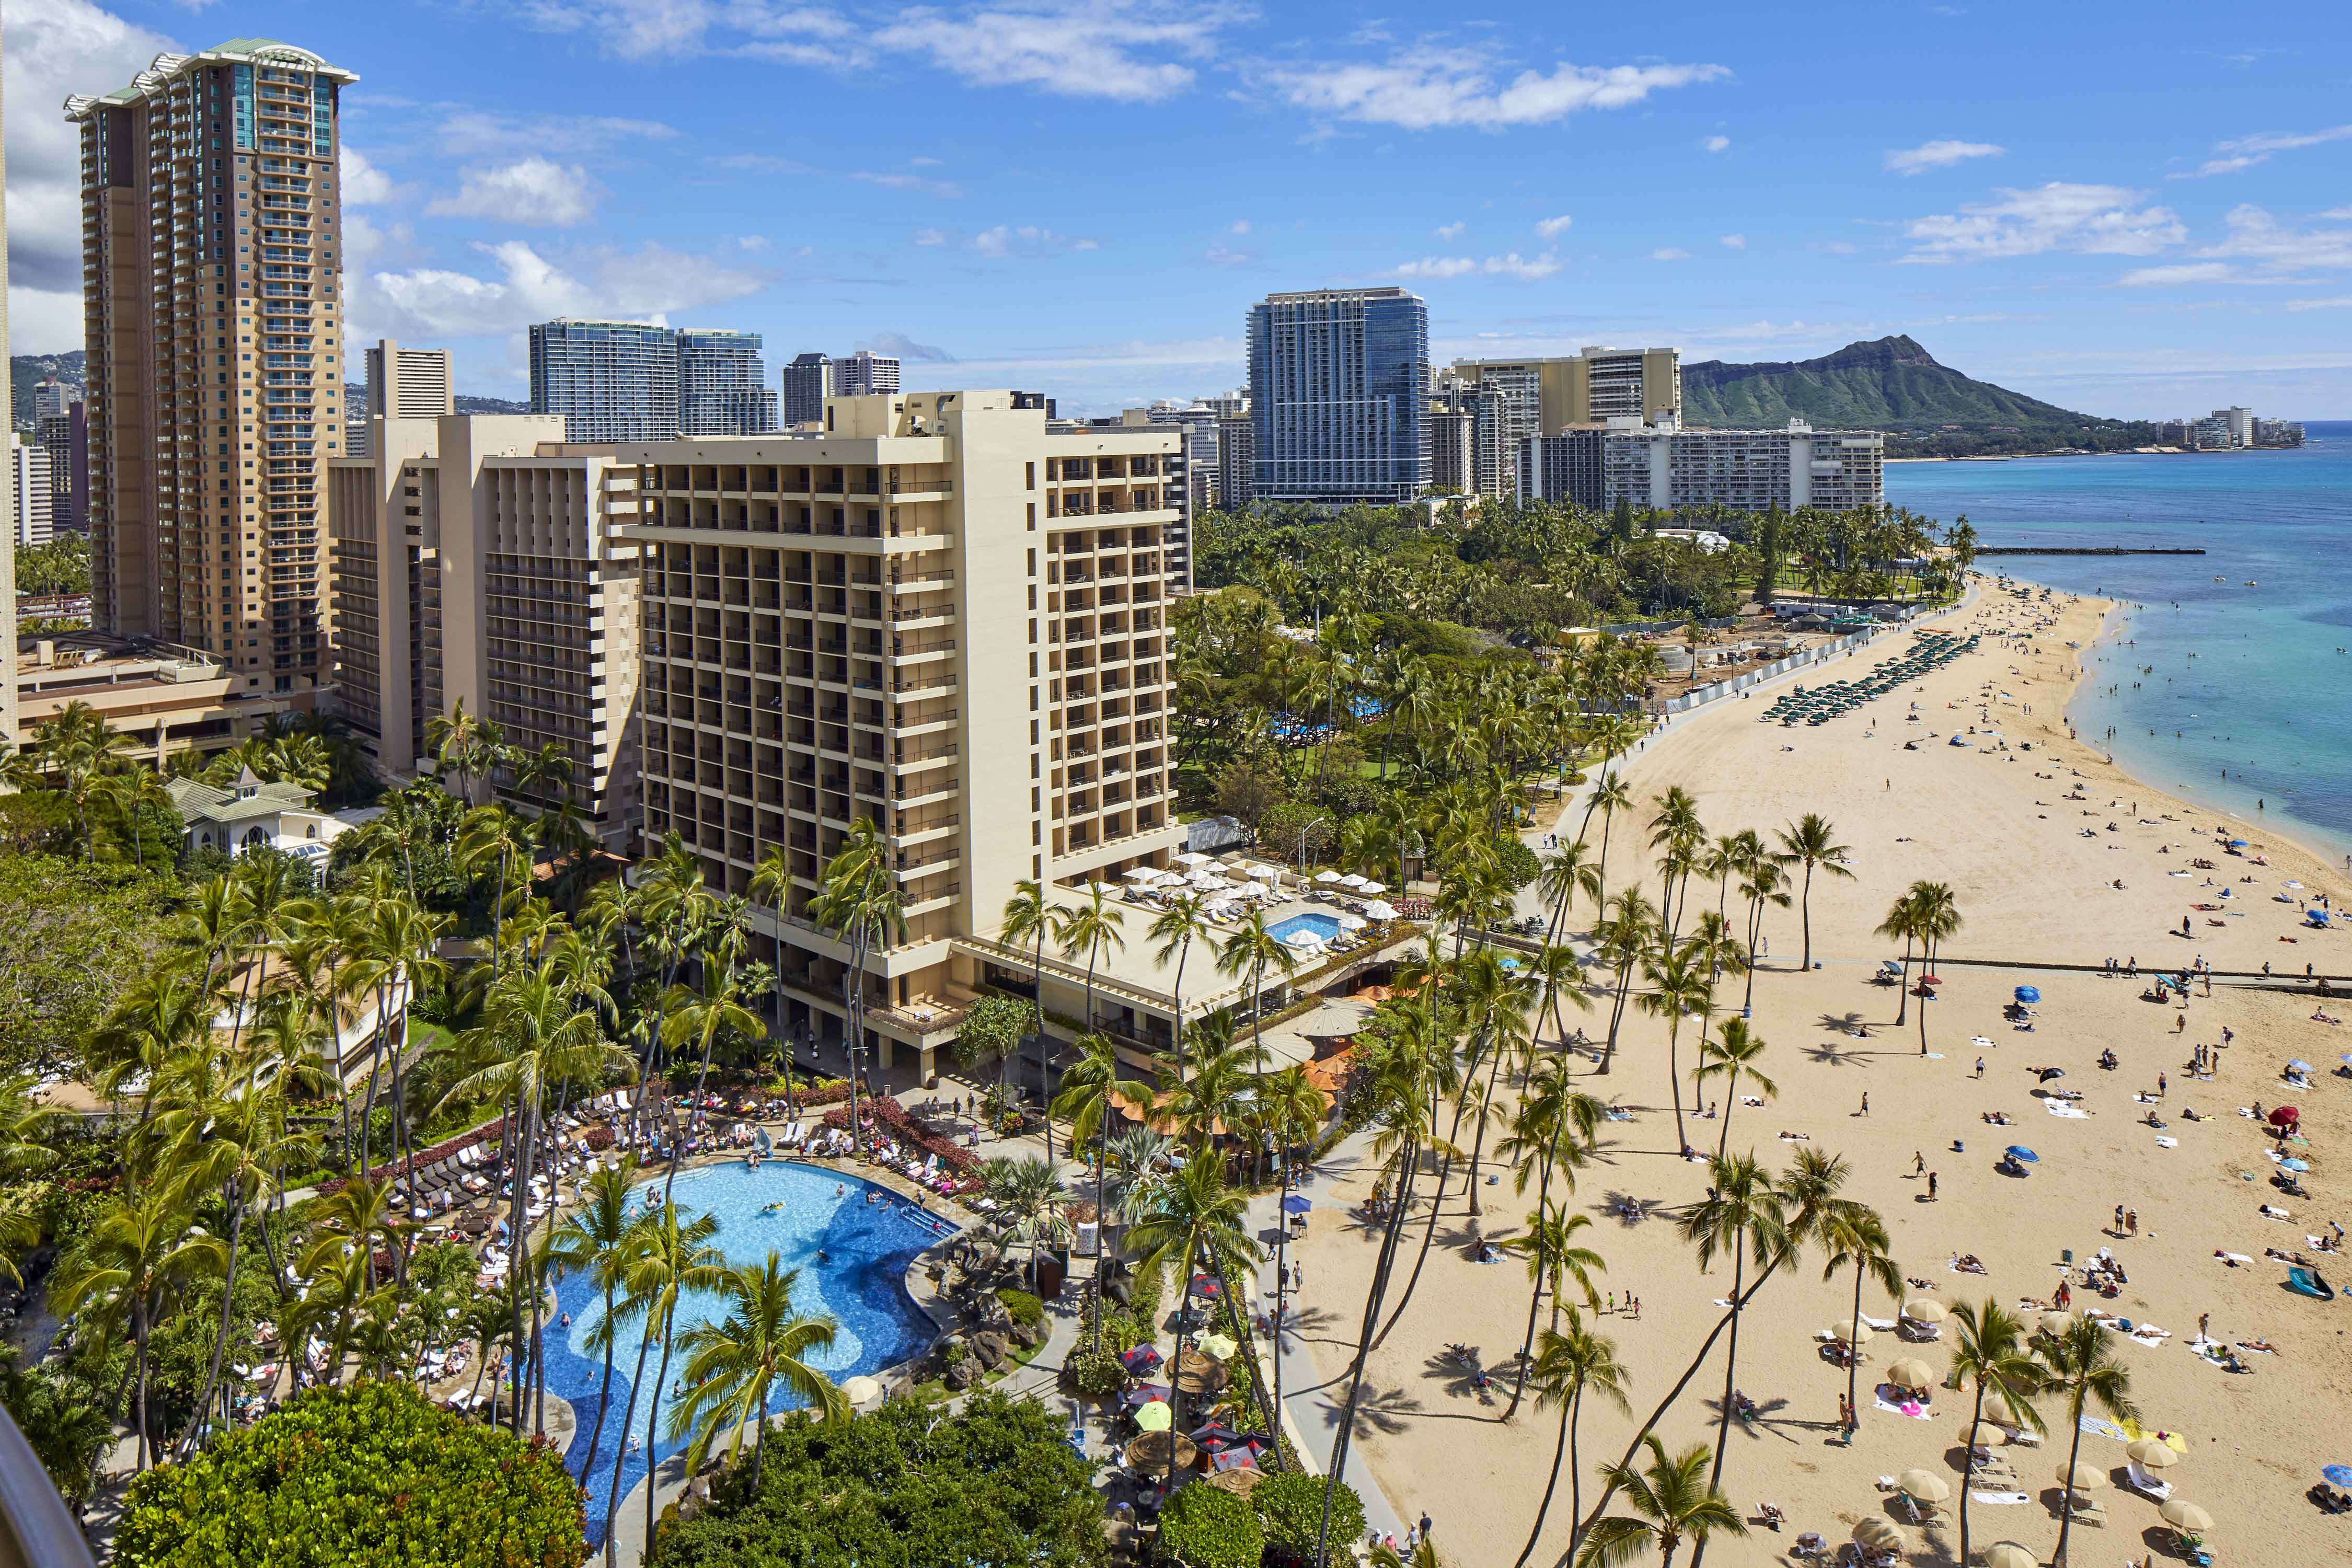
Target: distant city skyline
2166,231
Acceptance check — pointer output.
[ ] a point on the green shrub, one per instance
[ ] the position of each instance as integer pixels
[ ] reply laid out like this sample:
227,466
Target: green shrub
356,1478
1290,1509
1205,1528
996,1482
1023,1308
1097,1374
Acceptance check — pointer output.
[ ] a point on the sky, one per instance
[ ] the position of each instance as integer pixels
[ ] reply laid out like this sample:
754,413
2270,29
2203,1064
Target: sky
2133,210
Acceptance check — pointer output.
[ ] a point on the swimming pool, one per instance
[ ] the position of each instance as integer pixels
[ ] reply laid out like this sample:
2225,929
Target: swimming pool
861,1282
1323,926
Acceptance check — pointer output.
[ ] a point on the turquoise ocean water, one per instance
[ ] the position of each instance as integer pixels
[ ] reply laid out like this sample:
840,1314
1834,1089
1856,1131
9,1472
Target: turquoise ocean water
2213,676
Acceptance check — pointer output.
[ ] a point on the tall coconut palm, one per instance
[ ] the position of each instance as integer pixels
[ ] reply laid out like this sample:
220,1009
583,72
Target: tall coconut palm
1991,1361
494,838
1903,920
861,903
1029,918
140,1258
1551,1135
734,1367
1176,930
772,880
1672,1501
1812,842
672,1257
1678,989
1094,928
2081,1367
1762,885
1854,1235
1744,1217
1732,1056
1626,936
599,1237
1938,917
1570,1363
1245,956
1090,1091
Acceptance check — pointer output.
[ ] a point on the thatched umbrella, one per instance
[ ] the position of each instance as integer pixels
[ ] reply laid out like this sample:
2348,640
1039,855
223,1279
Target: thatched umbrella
1149,1453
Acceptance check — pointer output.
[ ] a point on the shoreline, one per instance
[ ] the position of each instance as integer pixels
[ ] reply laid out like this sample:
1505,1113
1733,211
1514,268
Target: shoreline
2120,452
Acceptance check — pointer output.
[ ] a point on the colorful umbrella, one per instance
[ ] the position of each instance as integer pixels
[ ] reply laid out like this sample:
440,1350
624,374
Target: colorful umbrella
2023,1154
2029,994
1155,1416
2286,1116
1293,1204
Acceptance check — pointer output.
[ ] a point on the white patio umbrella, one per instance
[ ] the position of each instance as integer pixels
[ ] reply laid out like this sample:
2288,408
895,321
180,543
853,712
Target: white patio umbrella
1326,878
1380,911
1352,879
1192,859
1373,889
1142,873
1170,880
1105,889
1266,873
1351,922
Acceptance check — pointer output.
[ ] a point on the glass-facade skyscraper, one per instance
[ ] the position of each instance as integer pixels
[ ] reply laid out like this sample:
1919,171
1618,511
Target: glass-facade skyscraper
721,387
612,381
1338,383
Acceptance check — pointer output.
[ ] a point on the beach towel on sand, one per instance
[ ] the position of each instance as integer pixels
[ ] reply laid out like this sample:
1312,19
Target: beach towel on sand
1999,1497
2100,1427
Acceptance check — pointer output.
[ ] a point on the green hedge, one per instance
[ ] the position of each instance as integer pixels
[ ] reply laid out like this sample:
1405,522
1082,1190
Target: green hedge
1290,1509
1203,1527
369,1475
1023,1308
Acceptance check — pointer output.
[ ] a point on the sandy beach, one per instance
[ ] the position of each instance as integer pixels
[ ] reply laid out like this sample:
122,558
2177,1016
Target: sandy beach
2039,878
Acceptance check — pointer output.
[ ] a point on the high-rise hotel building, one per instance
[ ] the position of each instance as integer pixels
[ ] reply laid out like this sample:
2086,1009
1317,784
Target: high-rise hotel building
1339,395
939,612
211,239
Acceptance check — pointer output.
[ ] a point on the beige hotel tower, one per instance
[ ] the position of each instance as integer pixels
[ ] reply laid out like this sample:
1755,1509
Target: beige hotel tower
940,612
210,229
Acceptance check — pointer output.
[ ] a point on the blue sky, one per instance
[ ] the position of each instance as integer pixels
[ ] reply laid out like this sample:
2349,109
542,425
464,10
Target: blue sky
2135,210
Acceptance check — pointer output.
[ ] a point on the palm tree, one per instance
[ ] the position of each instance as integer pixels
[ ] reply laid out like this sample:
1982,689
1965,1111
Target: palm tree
601,1237
1992,1361
772,880
1092,928
671,1260
1570,1363
1551,1135
1029,917
1091,1090
1198,1220
1674,1500
1938,916
733,1368
1746,1217
1608,797
140,1257
1625,937
1853,1234
1811,841
493,835
1679,987
1732,1057
1175,932
1762,884
1248,951
862,902
1903,920
1030,1199
2081,1366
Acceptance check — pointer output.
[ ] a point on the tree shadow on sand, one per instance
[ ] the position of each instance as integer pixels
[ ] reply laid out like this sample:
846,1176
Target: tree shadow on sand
1626,1209
1769,1421
1839,1054
1386,1410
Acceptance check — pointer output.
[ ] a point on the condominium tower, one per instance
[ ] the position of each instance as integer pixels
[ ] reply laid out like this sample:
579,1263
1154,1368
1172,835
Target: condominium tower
478,560
943,614
864,373
721,384
29,491
211,239
409,384
1544,396
1664,468
808,381
611,381
1339,392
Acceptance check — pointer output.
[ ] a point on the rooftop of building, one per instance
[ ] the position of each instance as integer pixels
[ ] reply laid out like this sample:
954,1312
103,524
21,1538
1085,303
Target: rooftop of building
246,799
78,659
236,51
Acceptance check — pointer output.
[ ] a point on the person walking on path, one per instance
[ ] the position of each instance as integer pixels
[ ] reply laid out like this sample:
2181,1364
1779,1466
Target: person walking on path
1865,1104
1931,1187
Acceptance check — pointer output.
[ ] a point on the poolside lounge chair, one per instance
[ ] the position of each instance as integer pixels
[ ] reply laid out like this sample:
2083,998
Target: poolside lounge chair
2142,1481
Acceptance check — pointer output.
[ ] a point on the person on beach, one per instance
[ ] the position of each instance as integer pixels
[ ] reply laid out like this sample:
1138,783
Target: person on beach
1865,1104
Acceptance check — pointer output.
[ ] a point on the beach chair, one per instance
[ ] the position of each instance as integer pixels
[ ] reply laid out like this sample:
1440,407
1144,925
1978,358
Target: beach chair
2142,1481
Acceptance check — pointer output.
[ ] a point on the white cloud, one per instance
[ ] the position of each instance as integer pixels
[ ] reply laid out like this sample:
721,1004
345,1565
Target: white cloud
1432,88
2098,220
2255,236
1449,230
429,302
1735,241
1553,228
905,182
1716,143
649,29
473,133
2338,213
535,193
1241,226
930,237
56,47
2338,302
2245,152
1527,269
1668,253
1226,255
1939,154
1079,49
905,347
2169,276
364,184
1008,240
994,242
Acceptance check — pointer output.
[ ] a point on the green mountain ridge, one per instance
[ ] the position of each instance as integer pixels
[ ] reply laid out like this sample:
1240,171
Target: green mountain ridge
1893,384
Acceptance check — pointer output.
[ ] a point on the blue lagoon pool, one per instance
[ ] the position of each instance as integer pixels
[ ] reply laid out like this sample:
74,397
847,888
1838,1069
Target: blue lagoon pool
861,1281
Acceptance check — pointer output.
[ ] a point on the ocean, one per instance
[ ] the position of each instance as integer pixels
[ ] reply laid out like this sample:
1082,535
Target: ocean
2229,681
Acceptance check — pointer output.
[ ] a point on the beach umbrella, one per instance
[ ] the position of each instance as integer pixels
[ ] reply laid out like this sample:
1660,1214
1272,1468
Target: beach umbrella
1351,922
2183,1515
1206,1285
1373,889
861,1390
2028,994
1149,1453
2337,1475
1844,1335
2237,843
1192,859
2298,1066
1923,1311
2048,1074
1218,1347
1155,1416
1879,1534
1923,1486
2009,1554
2081,1478
1988,1434
1293,1204
2056,1323
1379,910
1911,1372
2022,1155
2286,1116
2153,1454
2297,1166
1266,873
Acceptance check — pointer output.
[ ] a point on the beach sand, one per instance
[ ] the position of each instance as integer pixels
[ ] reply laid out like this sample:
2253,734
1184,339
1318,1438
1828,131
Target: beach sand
2030,887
